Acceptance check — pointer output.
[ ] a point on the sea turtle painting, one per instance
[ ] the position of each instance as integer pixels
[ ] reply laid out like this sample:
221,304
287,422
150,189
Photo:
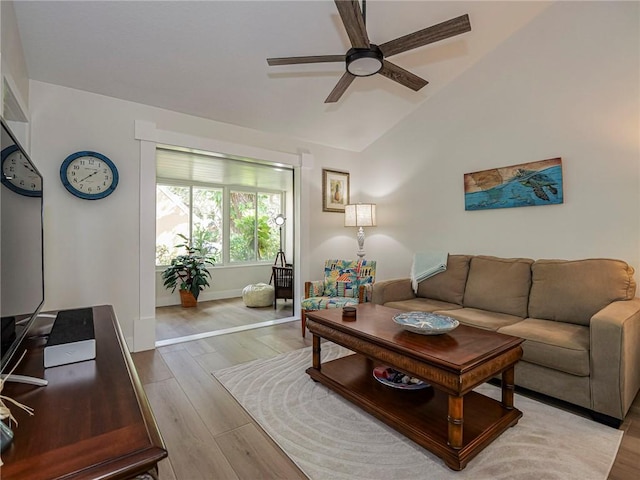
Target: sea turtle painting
537,182
522,185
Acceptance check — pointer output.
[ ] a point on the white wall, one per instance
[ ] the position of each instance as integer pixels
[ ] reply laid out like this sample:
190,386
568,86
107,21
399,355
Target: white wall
14,67
566,85
92,247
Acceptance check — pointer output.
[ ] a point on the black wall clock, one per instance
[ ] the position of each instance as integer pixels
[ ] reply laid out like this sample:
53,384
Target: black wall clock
89,175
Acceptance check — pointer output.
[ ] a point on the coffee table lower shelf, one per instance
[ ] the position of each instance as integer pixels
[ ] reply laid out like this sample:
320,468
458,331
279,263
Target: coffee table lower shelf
420,415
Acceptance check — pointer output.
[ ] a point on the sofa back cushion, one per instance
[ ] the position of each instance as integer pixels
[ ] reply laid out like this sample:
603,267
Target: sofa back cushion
499,285
574,290
447,286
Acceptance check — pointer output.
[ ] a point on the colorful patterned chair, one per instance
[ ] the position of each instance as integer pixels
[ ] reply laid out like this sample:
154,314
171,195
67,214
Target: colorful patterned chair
346,282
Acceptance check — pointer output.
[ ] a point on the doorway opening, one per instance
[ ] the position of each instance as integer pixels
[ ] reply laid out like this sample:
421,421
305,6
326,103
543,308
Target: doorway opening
239,210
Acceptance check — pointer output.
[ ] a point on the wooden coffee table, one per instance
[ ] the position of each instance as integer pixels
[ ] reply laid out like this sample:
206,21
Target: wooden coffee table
450,420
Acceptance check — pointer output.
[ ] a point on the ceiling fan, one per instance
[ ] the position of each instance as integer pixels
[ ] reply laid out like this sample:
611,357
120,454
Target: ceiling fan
365,58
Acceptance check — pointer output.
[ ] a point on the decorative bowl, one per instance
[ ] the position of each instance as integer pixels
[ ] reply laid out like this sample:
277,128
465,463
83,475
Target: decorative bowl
396,379
425,323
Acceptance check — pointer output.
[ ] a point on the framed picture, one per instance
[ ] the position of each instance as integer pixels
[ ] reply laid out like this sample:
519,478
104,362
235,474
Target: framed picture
522,185
335,190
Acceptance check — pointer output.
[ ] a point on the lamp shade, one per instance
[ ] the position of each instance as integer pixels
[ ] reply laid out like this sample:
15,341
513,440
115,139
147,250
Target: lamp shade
360,215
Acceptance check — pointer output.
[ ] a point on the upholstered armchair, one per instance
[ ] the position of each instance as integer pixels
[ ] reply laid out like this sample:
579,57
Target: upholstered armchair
345,282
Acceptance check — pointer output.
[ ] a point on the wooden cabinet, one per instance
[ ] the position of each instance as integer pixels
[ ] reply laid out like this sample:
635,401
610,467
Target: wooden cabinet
92,420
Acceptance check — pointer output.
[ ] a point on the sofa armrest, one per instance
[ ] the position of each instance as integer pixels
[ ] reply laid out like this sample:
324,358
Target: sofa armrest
394,290
615,357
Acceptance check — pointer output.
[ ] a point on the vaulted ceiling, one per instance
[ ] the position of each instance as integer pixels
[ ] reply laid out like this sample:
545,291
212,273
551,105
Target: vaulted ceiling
208,58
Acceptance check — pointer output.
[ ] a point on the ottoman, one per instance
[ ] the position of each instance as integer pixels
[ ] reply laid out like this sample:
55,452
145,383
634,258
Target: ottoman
258,295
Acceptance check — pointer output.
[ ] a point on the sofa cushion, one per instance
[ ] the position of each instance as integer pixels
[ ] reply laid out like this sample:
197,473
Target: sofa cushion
558,345
482,318
574,290
499,285
447,286
421,305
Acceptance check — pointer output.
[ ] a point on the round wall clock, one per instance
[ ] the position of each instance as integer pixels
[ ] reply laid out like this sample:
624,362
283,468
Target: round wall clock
89,175
18,174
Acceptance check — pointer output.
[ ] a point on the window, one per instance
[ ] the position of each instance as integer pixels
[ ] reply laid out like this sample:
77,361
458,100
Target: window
253,234
234,222
174,217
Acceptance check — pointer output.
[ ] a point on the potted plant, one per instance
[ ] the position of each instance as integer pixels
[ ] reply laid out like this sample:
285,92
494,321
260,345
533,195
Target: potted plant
188,272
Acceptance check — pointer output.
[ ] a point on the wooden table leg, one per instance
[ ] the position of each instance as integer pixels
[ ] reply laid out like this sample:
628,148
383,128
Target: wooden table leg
455,419
508,388
316,352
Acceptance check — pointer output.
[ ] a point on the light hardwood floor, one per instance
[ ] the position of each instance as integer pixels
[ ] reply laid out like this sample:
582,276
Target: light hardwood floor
209,436
175,321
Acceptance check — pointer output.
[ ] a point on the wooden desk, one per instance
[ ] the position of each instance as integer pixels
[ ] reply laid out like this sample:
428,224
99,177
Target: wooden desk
93,420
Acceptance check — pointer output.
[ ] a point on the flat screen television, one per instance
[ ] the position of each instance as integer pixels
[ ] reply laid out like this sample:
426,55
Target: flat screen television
21,246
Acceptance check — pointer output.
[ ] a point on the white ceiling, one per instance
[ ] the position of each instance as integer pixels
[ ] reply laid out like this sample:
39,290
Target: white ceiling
208,58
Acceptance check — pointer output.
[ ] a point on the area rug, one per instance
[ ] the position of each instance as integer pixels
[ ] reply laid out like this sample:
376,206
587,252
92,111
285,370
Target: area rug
330,438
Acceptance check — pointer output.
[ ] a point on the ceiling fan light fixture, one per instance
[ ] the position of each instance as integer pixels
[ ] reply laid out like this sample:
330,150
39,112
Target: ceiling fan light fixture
365,59
364,62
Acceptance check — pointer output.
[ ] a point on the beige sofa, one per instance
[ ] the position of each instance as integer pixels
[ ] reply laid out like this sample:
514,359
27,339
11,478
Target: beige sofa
579,319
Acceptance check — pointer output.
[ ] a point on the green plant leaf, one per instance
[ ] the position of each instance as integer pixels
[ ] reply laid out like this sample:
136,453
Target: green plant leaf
188,270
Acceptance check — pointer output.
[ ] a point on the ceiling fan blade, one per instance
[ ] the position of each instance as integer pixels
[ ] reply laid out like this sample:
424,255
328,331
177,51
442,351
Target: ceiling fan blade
402,76
353,21
340,87
309,59
435,33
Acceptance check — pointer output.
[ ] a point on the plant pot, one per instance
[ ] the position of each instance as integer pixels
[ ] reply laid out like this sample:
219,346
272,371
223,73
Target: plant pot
187,299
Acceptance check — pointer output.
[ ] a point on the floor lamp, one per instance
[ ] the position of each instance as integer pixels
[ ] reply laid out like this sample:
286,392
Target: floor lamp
280,219
360,215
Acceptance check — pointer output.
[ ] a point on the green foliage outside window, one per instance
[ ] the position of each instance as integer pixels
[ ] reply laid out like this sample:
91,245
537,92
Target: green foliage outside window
198,212
243,244
246,229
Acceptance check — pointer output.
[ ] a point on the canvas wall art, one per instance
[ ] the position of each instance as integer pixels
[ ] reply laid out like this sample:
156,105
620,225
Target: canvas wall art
523,185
